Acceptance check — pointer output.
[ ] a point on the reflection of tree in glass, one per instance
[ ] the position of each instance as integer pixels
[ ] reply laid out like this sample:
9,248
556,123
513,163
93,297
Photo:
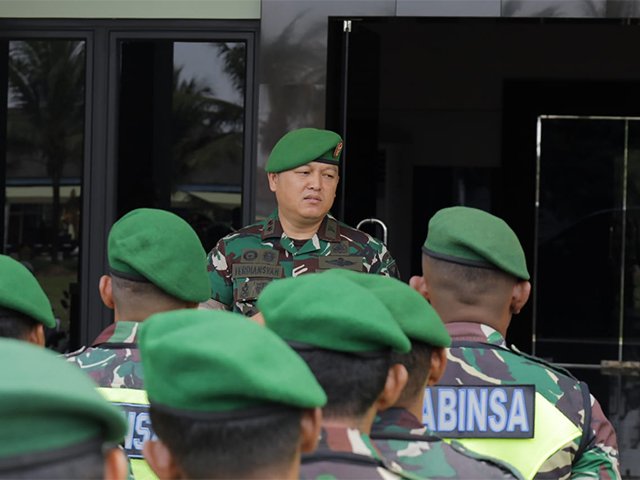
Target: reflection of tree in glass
208,131
46,85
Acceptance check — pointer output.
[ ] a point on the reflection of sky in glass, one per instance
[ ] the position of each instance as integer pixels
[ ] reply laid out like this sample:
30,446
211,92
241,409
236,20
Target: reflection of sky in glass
203,62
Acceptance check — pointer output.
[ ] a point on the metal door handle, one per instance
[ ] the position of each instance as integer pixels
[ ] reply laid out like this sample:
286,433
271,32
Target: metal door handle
377,222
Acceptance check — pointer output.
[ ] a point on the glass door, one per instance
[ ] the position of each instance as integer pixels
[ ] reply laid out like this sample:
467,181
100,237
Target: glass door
587,262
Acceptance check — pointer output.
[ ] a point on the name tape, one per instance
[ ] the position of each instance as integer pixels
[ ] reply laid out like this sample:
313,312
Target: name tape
139,430
464,411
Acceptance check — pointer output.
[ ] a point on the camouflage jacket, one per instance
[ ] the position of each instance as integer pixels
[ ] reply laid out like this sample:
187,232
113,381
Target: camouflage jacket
348,453
244,262
479,356
401,437
113,360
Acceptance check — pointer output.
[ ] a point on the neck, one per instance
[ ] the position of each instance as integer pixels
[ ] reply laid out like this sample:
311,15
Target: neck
456,313
299,230
363,423
413,406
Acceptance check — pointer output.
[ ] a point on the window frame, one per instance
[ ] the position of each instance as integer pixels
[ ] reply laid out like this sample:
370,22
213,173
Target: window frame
99,175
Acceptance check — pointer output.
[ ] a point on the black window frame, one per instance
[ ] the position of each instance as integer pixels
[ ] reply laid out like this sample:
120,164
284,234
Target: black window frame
99,176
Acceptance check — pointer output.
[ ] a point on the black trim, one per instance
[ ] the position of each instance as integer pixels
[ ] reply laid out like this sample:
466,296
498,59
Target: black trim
460,261
134,277
225,416
115,345
36,459
307,347
342,457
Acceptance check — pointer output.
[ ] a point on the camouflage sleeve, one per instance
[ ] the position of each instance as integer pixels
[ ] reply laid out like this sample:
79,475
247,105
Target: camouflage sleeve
600,458
220,275
385,264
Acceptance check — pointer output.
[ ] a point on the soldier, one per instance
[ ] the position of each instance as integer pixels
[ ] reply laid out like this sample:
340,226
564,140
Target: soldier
156,263
398,431
53,423
229,399
497,400
347,342
300,236
24,307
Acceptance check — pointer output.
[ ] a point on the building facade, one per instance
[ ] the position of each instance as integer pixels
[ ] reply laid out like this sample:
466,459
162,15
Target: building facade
526,108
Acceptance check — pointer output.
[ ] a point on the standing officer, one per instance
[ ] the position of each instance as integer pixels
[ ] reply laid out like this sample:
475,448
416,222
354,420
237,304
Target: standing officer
300,236
24,307
347,340
496,400
53,424
156,264
398,432
229,399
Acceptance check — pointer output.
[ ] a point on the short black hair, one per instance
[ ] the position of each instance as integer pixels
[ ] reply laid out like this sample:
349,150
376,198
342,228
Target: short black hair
469,284
417,362
89,466
352,383
229,448
14,324
134,294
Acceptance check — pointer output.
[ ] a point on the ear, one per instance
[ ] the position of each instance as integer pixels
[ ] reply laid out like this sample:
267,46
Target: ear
106,294
397,377
36,335
273,181
419,284
160,460
258,318
310,425
115,465
437,365
519,296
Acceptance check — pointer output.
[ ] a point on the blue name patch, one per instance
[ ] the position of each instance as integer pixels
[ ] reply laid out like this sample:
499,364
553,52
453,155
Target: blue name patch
139,430
466,411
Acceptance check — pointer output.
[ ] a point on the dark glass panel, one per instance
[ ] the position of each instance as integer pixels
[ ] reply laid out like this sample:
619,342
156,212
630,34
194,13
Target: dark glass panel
579,240
43,171
181,131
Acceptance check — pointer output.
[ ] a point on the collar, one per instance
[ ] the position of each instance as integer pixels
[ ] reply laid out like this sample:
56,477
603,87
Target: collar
328,231
118,332
475,332
350,440
399,420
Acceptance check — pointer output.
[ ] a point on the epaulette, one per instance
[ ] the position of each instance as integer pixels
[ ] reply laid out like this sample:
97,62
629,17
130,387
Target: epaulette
543,362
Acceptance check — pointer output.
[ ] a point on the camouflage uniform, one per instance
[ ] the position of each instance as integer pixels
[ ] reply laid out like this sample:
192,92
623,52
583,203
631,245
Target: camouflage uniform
244,262
401,437
348,453
482,358
114,359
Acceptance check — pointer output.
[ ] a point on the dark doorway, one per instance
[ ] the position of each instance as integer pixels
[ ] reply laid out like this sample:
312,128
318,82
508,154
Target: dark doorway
452,109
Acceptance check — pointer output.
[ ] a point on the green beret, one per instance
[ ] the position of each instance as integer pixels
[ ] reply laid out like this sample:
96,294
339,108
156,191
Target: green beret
330,312
160,247
416,317
302,146
221,362
20,291
46,404
473,237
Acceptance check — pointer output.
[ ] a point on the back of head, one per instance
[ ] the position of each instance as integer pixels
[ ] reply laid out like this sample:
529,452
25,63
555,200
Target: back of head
417,319
342,330
23,304
471,258
54,423
227,396
156,258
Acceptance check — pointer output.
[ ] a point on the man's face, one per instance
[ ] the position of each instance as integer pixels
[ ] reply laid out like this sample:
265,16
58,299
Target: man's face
306,193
